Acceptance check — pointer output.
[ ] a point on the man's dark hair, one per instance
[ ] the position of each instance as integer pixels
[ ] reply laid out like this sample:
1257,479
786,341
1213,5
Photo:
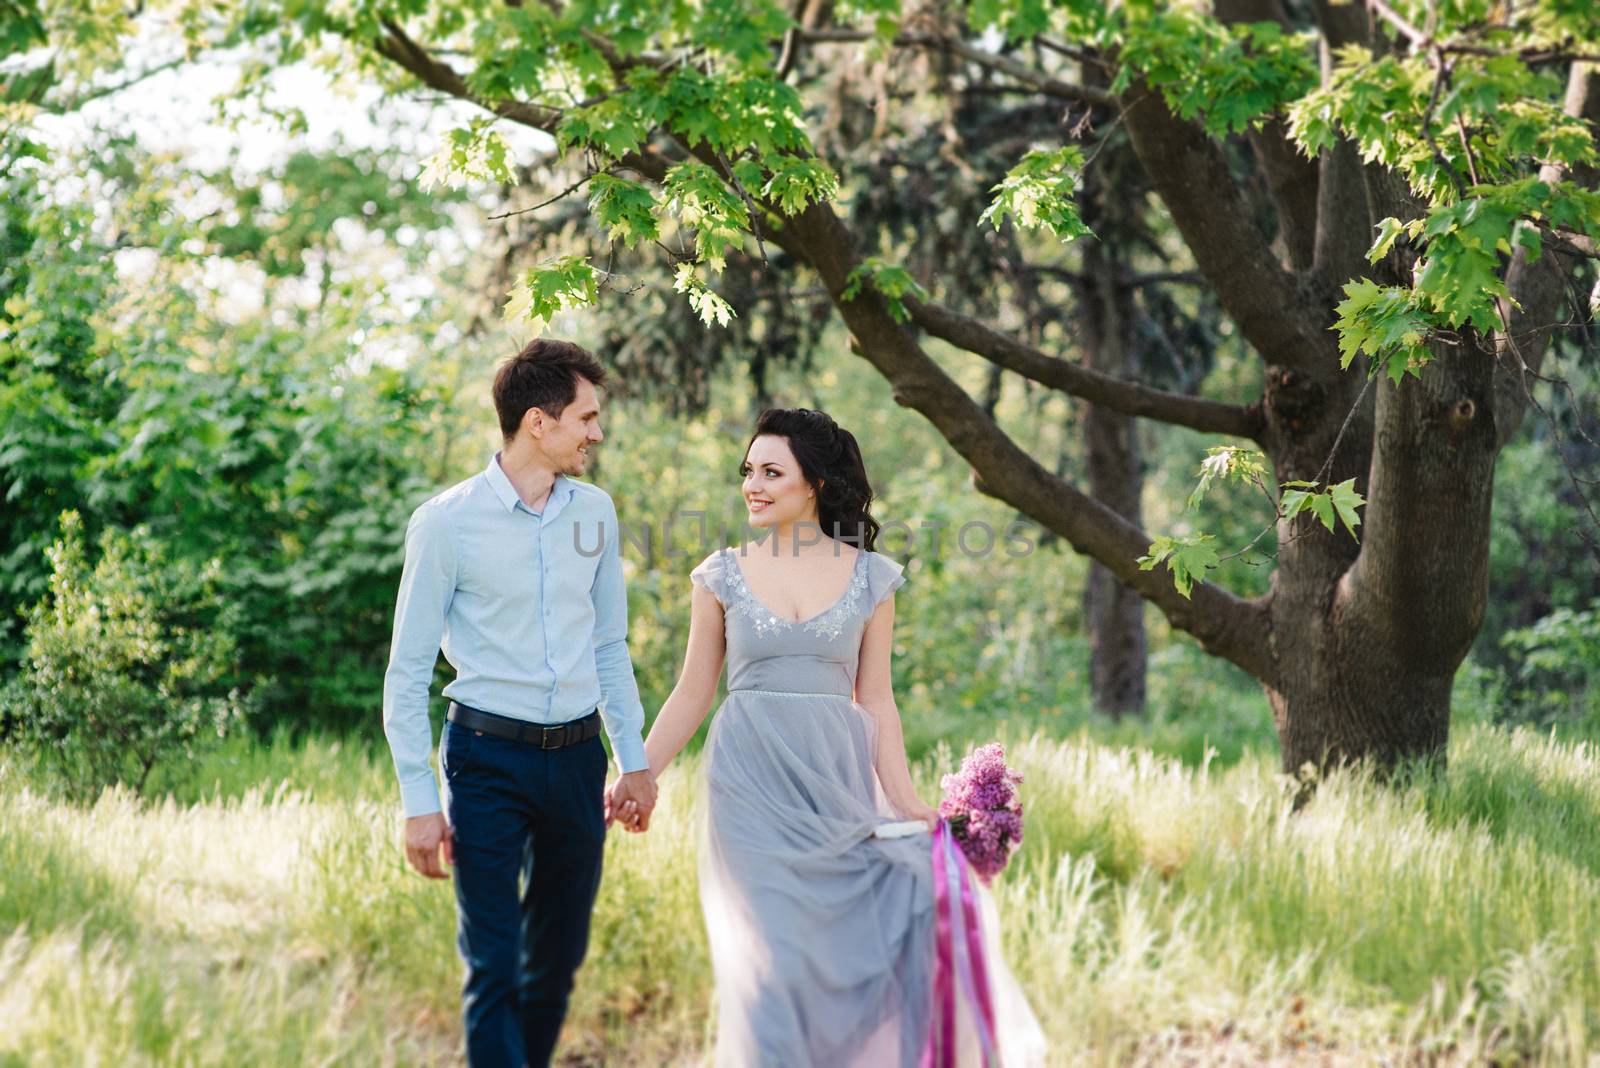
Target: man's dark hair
543,375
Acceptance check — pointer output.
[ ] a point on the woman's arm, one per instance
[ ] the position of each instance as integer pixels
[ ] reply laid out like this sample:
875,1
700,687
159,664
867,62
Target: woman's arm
875,693
691,698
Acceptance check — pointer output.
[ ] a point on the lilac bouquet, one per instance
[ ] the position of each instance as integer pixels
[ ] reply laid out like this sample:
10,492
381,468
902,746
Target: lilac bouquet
980,806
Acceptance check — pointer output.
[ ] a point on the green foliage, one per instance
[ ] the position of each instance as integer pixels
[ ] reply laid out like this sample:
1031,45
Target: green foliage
1468,136
706,303
891,281
626,209
1190,556
53,406
1342,500
1557,673
273,442
699,200
1232,463
1458,282
1233,77
474,153
1538,559
20,27
1466,116
291,223
1037,194
1187,556
1388,106
553,286
1384,323
795,181
1464,241
126,663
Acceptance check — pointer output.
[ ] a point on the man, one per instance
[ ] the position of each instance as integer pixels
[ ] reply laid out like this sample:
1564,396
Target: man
517,572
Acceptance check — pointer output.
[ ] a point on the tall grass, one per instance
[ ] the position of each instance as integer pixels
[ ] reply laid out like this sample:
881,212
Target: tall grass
1162,909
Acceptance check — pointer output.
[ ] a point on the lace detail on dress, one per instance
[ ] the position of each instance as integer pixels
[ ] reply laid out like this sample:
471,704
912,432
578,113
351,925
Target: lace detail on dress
829,623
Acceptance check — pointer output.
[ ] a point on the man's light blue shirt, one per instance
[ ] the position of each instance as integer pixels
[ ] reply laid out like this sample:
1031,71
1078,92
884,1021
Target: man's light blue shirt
529,608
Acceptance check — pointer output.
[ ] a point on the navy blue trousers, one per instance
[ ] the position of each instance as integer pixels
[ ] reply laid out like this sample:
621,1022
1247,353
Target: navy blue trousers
529,832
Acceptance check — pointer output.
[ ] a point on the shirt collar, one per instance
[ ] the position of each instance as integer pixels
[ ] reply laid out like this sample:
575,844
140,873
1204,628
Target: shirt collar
506,493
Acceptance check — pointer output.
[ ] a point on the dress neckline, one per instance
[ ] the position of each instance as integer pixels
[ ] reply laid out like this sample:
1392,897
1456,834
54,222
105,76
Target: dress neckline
733,559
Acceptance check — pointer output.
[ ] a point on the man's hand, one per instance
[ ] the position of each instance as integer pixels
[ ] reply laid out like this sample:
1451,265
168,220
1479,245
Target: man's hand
631,799
426,838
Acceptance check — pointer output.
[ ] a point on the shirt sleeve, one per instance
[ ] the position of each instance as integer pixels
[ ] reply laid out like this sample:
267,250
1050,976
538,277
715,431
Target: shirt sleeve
620,706
427,584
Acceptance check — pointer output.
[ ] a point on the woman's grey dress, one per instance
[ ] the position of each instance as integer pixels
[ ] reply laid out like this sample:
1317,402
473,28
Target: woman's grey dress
821,935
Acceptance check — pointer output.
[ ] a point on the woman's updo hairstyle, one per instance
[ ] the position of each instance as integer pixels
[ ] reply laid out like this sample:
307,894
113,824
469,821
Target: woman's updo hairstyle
830,460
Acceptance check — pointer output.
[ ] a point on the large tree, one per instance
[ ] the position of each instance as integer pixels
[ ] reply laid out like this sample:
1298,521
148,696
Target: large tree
1084,298
1427,170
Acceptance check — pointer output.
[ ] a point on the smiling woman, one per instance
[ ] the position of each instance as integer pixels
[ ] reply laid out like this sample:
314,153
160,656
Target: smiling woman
801,465
805,760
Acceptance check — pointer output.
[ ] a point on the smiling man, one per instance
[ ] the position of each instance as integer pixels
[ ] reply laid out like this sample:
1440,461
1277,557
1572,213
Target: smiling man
501,572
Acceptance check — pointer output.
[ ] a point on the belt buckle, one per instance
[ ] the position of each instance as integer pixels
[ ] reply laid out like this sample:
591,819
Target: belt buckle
544,736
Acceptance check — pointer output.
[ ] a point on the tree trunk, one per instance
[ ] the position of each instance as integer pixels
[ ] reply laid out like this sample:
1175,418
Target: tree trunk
1367,637
1113,613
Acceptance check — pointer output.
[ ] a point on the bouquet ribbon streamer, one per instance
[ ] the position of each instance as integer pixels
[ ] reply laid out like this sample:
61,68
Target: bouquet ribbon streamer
958,958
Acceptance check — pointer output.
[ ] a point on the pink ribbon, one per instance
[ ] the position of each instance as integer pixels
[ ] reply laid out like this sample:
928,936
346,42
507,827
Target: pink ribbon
951,879
940,1050
975,973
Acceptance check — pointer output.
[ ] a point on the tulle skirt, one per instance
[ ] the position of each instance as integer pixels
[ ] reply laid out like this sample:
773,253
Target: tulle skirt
822,936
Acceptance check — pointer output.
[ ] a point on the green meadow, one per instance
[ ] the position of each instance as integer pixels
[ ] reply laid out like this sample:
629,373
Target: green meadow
1162,909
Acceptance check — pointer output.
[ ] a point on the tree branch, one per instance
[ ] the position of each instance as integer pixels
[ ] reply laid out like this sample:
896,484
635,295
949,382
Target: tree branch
1225,625
1344,221
1097,387
1192,178
66,107
1536,288
1411,33
1023,73
1132,279
1291,177
1340,23
401,50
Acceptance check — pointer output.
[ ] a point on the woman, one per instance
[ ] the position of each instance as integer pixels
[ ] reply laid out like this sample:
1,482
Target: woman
821,934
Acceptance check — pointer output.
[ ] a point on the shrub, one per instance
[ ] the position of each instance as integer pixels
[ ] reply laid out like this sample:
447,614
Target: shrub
124,662
1557,667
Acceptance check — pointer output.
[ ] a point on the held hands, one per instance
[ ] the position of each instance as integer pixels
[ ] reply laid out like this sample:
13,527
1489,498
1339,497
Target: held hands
631,799
426,838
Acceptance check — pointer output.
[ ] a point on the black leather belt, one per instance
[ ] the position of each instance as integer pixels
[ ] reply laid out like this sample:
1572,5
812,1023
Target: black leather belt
545,736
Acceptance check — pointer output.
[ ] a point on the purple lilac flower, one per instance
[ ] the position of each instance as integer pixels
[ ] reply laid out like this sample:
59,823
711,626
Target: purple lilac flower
981,806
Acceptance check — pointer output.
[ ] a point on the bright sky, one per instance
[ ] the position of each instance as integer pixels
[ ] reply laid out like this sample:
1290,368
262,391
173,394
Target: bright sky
176,111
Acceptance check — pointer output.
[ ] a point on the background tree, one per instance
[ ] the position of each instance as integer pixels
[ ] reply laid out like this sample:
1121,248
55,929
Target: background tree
1084,298
269,438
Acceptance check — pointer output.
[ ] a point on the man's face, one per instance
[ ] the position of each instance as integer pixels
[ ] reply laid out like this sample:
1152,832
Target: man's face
566,441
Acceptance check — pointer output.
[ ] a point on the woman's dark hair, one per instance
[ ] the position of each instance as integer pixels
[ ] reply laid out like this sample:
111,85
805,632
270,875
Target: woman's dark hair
543,375
830,460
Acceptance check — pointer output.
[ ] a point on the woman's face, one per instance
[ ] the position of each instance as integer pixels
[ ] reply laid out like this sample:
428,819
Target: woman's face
776,493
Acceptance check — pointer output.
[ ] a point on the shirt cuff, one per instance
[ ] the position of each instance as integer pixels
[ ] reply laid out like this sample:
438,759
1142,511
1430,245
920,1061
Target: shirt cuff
629,753
420,798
